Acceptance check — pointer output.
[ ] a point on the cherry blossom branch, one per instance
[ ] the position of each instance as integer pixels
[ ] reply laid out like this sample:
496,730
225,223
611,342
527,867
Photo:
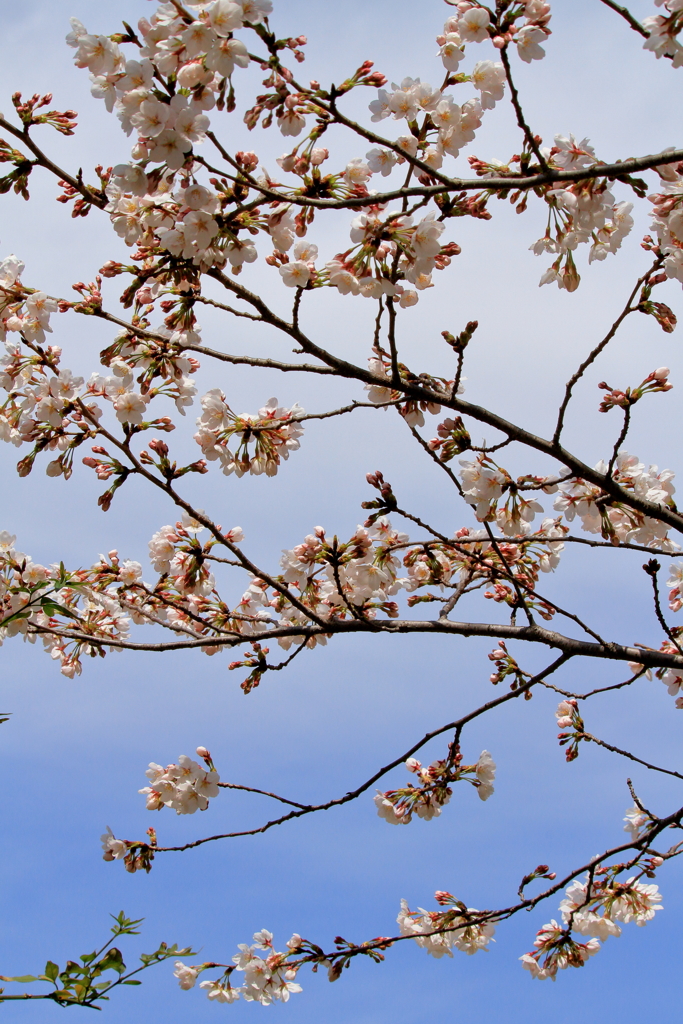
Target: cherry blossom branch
42,160
199,516
642,845
354,794
608,651
521,182
421,393
593,355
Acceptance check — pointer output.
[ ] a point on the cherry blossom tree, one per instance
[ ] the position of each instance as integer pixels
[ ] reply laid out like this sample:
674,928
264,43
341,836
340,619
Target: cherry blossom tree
195,213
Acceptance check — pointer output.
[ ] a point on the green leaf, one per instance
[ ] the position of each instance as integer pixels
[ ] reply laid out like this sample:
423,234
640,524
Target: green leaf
113,961
72,968
132,982
51,971
51,608
88,958
125,925
14,616
23,979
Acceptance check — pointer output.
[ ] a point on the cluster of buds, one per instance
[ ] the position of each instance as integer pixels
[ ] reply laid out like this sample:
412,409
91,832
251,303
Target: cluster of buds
453,439
542,871
170,470
364,75
568,718
63,121
505,666
658,380
256,661
386,502
136,856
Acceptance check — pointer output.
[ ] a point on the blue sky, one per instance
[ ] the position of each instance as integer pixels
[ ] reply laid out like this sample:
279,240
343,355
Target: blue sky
75,751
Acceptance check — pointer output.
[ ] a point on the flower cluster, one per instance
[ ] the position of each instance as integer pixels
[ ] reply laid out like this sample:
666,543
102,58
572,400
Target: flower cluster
397,806
450,126
667,218
185,786
51,409
135,856
599,513
389,251
484,483
22,310
472,24
337,579
663,31
558,950
200,56
43,404
585,212
595,908
274,431
39,601
675,582
438,932
267,979
596,912
636,819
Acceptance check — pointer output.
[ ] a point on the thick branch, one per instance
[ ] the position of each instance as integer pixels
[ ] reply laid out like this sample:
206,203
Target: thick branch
532,634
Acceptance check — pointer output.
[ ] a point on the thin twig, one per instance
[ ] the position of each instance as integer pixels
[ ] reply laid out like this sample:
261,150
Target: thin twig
652,568
626,14
631,757
620,440
521,121
593,355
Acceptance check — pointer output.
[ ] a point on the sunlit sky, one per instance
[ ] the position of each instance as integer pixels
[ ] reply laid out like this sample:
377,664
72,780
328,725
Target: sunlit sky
75,752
